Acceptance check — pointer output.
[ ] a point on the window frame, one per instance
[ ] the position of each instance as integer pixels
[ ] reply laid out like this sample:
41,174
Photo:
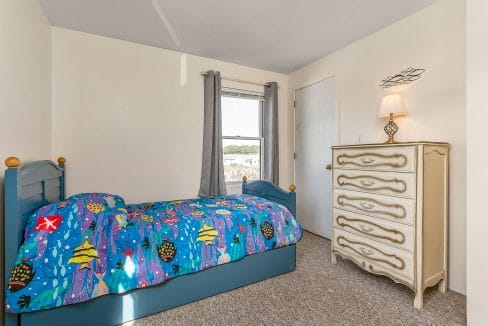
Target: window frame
260,138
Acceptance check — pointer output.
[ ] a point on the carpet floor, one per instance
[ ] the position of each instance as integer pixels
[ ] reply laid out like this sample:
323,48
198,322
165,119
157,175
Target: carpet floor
318,293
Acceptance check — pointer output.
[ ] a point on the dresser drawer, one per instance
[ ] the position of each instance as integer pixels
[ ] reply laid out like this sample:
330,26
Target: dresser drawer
392,208
390,233
393,259
389,183
371,267
395,158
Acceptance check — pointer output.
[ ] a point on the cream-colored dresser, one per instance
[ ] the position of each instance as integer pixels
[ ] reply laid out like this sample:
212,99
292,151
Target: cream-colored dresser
390,211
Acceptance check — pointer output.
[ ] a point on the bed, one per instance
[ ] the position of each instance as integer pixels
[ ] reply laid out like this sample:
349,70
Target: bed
43,182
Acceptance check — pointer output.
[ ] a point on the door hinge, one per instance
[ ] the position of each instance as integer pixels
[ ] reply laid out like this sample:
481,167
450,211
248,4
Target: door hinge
295,104
294,156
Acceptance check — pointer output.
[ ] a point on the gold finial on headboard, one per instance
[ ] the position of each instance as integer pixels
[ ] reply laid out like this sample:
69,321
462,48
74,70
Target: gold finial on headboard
61,160
292,187
12,162
244,179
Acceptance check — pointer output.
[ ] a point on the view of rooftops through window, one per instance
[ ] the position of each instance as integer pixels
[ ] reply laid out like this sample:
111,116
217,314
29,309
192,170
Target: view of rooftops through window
241,138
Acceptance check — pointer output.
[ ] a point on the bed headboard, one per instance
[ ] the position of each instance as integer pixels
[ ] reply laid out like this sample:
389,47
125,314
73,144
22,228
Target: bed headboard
270,191
27,188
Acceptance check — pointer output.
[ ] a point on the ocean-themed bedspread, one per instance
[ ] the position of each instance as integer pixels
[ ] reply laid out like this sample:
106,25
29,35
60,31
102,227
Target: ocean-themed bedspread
93,244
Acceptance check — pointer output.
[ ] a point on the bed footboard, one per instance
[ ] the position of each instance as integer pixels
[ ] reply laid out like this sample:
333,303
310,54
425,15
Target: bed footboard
270,191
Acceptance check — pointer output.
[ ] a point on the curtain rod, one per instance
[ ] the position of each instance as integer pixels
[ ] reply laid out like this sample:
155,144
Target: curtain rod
238,80
231,89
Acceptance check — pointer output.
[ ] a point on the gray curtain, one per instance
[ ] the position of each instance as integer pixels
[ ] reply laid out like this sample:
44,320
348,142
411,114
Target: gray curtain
212,181
270,133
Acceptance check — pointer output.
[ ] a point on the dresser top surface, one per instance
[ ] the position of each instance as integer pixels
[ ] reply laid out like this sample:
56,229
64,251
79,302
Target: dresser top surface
412,143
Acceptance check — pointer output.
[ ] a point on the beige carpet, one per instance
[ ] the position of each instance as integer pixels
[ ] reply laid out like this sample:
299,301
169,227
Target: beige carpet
318,293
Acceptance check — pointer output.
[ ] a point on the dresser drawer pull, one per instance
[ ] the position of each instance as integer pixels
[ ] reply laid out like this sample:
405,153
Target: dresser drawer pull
344,200
365,228
366,206
367,252
366,182
392,235
396,262
367,160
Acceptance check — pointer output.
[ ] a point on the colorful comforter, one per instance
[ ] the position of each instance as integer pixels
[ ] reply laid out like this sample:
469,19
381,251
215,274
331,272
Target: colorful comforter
93,244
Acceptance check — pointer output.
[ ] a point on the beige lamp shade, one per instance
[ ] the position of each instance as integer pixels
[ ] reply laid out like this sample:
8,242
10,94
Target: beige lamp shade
391,104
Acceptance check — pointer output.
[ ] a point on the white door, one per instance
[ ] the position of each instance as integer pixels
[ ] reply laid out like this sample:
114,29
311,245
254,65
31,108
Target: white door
315,133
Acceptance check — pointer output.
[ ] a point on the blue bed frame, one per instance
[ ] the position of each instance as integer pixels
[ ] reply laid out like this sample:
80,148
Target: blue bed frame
42,182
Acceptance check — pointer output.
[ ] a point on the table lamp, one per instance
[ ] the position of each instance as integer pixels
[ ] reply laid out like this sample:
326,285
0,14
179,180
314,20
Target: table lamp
391,106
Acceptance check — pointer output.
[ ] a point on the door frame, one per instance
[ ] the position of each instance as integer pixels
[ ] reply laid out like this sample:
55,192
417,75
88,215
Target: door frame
335,141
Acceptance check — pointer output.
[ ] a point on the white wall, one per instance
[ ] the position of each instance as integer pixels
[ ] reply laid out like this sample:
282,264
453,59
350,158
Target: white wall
25,81
129,118
477,174
433,39
25,87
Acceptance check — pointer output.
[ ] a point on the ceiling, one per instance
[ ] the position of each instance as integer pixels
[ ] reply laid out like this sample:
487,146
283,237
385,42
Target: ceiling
276,35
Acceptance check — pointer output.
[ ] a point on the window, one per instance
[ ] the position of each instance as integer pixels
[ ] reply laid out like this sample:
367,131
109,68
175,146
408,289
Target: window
242,137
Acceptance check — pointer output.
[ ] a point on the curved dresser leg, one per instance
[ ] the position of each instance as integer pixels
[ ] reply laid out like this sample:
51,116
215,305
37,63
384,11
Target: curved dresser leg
418,303
442,286
333,259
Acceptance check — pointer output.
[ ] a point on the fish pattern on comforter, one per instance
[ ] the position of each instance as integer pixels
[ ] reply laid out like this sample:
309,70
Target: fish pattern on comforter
93,244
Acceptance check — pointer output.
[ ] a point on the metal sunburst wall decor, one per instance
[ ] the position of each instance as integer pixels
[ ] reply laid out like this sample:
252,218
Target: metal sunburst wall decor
407,76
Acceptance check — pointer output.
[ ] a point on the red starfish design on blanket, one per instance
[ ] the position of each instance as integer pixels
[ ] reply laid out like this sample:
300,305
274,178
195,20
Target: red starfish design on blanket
128,252
48,223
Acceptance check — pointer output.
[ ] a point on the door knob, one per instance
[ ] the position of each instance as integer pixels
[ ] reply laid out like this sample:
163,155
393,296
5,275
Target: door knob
328,166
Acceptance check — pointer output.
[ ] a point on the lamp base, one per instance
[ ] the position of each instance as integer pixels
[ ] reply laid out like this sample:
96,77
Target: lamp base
391,129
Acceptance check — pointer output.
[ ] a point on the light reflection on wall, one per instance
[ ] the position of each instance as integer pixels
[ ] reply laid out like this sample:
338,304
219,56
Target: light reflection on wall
183,70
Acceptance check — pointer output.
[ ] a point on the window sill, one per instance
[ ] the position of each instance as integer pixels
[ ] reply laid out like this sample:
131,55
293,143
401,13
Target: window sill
234,188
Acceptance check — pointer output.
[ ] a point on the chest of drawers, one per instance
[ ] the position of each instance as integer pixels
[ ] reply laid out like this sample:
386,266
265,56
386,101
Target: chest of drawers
390,211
